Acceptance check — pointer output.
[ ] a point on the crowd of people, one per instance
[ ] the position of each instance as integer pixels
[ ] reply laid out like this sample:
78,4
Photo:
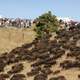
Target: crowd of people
26,23
68,24
18,22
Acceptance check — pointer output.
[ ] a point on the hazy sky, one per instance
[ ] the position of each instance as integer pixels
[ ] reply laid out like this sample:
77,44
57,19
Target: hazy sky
34,8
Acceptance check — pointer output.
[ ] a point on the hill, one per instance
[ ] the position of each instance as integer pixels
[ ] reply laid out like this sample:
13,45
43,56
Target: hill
44,59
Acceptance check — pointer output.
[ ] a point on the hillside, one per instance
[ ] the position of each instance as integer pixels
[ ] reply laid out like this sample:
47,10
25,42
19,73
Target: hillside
44,59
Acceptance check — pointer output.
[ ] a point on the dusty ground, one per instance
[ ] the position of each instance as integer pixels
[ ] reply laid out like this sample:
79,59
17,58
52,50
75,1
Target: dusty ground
11,38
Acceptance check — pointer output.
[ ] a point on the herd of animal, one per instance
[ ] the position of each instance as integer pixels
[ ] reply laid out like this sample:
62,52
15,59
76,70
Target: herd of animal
42,55
18,22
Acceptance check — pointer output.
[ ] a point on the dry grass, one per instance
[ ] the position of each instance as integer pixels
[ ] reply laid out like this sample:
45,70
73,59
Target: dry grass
13,37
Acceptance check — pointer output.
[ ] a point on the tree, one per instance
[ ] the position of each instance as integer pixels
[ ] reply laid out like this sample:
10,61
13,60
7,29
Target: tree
46,23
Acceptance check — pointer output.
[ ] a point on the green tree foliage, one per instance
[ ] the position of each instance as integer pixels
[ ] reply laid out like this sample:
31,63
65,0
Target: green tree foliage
46,23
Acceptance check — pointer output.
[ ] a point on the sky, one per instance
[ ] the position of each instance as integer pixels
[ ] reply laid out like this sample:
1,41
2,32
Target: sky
33,8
